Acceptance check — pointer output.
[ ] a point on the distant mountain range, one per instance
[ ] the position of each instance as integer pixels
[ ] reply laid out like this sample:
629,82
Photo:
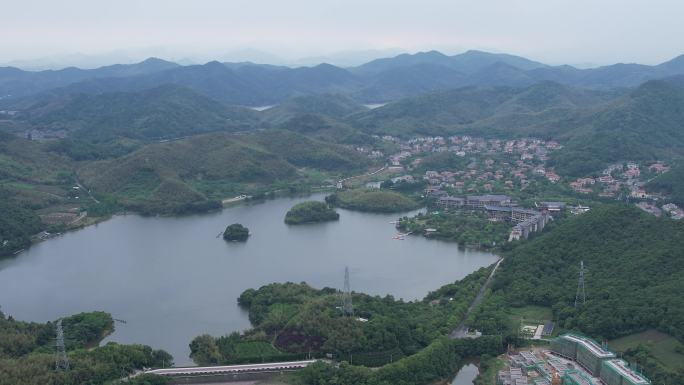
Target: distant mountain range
380,80
624,111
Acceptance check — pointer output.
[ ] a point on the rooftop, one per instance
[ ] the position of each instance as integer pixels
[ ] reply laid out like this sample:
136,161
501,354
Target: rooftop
579,378
489,197
497,208
554,204
592,346
621,367
450,198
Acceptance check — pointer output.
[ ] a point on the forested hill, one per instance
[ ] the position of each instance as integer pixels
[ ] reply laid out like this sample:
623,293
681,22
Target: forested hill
503,111
193,174
27,352
167,111
644,125
333,105
634,278
467,62
16,82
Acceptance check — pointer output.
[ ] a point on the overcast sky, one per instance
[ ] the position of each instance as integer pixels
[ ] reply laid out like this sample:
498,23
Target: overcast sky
552,31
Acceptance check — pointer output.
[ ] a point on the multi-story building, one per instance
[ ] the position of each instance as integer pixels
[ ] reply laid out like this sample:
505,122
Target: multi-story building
449,202
574,377
583,350
551,207
618,372
480,201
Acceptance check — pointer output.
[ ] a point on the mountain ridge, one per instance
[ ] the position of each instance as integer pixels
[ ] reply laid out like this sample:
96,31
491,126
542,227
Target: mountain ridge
379,80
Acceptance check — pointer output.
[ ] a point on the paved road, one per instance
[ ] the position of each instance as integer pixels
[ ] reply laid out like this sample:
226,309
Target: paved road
231,369
462,329
78,183
341,181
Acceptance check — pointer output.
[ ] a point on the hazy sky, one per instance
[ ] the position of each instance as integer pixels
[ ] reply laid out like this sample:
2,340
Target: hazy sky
553,31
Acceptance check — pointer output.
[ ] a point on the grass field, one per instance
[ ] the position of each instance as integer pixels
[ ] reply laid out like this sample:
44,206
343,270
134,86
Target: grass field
662,346
535,314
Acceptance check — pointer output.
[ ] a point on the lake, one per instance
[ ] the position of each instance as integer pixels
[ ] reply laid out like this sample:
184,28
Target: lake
171,278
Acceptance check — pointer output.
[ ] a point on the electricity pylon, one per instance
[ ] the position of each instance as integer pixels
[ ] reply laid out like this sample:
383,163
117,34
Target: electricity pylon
61,359
347,307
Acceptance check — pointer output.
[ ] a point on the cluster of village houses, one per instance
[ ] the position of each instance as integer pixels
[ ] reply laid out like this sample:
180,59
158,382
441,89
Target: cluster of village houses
672,210
493,164
627,177
490,161
616,177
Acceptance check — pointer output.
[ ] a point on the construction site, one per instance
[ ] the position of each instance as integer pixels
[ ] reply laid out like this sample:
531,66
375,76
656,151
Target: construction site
570,359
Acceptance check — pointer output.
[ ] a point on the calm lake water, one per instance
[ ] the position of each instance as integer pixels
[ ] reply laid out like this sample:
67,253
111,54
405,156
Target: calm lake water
172,279
466,375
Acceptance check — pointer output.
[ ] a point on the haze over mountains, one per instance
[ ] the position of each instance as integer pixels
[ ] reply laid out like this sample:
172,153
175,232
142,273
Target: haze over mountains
380,80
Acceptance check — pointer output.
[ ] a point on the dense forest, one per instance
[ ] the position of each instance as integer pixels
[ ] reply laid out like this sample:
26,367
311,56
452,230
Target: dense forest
17,225
27,352
297,319
437,362
164,112
634,264
634,277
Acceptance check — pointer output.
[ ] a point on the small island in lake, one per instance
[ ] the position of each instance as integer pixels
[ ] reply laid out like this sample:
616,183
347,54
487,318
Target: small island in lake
310,212
236,232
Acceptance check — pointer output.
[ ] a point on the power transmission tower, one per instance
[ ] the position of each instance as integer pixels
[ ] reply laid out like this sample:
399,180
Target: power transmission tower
61,359
581,295
347,307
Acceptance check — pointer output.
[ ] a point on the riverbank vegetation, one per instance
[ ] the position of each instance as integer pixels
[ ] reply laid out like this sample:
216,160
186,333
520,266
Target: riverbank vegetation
27,352
310,212
372,200
298,320
468,230
236,232
17,225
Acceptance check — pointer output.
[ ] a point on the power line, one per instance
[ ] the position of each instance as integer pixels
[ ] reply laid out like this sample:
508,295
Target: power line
581,295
